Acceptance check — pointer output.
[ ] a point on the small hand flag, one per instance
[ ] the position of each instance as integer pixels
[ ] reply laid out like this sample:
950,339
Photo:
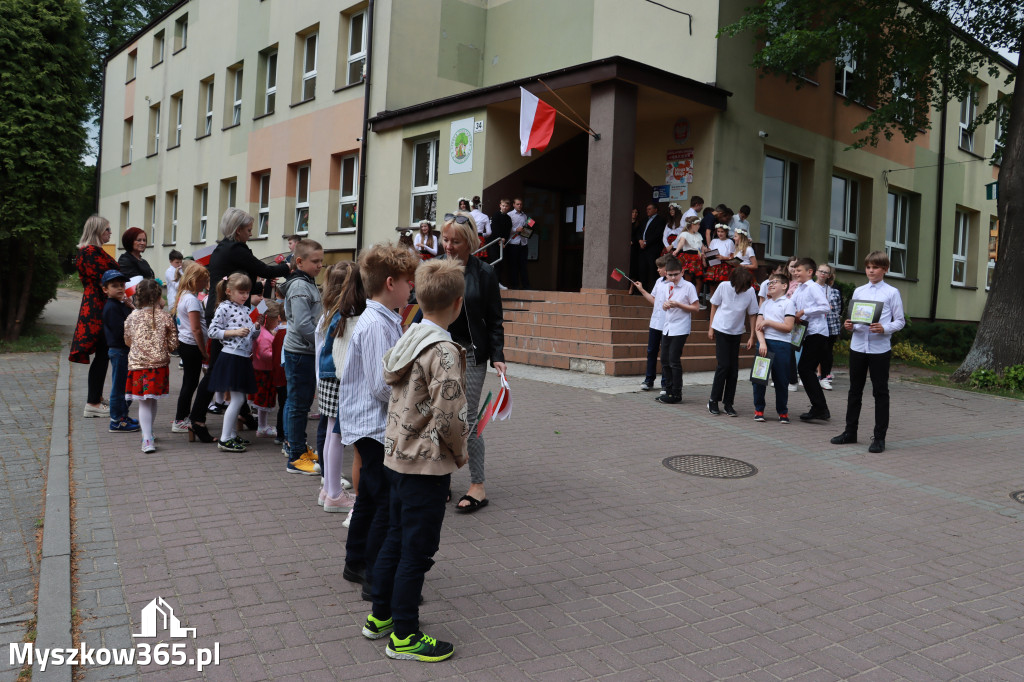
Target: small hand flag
260,309
202,256
129,286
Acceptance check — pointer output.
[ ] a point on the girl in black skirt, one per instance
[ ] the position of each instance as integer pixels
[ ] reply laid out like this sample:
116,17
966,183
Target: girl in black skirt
232,326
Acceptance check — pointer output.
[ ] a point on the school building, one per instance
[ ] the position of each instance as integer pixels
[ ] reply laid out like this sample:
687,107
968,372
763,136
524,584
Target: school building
262,105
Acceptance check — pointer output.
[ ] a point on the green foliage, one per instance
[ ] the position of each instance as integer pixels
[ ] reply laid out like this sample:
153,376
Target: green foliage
32,341
984,378
1013,378
949,341
914,354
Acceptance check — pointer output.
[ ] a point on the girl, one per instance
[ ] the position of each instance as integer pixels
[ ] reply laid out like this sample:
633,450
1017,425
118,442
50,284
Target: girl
425,241
343,299
673,228
729,307
722,248
232,370
826,278
483,226
152,336
688,251
263,367
745,251
191,339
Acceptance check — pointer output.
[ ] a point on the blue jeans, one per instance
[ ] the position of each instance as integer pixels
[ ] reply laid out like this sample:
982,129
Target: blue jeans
780,375
118,378
301,389
414,534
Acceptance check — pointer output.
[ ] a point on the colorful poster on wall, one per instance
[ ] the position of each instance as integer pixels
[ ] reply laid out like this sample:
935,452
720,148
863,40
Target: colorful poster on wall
679,166
460,147
681,130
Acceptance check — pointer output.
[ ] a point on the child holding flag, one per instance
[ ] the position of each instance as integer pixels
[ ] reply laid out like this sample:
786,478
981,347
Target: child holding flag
656,298
680,302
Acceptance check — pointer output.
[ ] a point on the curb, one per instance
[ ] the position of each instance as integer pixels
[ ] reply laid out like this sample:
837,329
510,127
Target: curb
53,609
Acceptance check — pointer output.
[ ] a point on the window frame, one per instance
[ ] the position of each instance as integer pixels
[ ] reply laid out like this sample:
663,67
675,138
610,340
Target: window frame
851,217
172,218
263,212
347,199
309,76
998,147
153,142
433,145
359,56
128,142
846,74
203,212
961,246
302,201
901,207
208,116
132,66
177,104
236,107
159,40
968,112
773,227
180,33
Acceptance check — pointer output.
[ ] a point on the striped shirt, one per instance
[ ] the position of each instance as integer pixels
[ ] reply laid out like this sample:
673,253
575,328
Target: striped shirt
362,394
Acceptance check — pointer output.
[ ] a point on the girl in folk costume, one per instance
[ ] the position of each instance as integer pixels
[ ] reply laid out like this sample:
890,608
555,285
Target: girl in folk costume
483,226
745,252
232,371
722,248
151,335
265,396
191,339
688,249
673,228
425,241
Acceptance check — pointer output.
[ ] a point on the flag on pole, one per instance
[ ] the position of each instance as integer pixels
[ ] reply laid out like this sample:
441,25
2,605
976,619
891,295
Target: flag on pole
536,123
202,256
619,275
129,286
260,309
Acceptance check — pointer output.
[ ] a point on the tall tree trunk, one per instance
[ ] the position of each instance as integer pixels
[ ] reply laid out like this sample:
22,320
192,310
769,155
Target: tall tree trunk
14,331
1000,340
11,290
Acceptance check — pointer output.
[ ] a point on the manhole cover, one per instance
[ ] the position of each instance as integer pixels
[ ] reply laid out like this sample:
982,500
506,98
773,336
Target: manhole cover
710,466
1018,496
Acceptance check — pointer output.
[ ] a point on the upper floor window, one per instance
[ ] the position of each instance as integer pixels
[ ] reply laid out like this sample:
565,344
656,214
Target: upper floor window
308,85
236,106
961,246
842,238
128,142
968,110
133,63
171,229
267,77
205,107
356,48
897,232
264,205
174,127
158,47
181,33
302,200
348,192
150,217
846,72
1002,114
154,130
780,196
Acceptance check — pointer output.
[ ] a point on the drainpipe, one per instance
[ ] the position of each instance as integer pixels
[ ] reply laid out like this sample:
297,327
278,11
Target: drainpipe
99,139
361,215
940,184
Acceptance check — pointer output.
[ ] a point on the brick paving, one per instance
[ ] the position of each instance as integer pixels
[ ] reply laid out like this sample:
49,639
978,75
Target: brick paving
593,560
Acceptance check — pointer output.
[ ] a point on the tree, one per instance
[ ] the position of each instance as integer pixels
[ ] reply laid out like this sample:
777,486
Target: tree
913,56
41,142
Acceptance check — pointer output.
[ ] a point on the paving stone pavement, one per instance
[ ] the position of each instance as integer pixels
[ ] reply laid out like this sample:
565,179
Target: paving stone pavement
26,403
593,560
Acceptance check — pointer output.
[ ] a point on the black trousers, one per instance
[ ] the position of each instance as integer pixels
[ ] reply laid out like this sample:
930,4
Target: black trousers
192,370
371,514
861,365
815,346
516,255
98,371
727,353
672,352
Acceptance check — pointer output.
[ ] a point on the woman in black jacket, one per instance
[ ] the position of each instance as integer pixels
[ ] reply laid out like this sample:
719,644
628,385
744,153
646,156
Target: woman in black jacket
131,263
480,329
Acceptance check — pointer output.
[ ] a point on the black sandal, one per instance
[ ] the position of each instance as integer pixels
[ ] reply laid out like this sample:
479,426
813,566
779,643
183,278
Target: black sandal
474,504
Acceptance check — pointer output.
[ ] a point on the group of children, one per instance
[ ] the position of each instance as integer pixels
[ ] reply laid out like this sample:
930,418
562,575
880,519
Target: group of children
788,298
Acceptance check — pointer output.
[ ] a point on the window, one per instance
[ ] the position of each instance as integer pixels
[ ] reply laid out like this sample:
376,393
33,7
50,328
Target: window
897,230
348,194
232,199
993,250
843,216
267,76
302,200
424,180
158,47
779,201
201,203
961,236
264,212
846,72
133,62
356,48
150,218
125,217
181,33
126,148
153,145
205,107
174,127
308,68
171,226
236,105
968,108
1002,116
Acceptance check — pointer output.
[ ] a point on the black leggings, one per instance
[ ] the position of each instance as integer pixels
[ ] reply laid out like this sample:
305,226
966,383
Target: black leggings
203,394
98,371
192,364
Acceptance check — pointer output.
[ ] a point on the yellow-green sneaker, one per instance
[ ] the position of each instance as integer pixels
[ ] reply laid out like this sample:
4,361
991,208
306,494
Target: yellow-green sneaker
375,628
419,647
301,466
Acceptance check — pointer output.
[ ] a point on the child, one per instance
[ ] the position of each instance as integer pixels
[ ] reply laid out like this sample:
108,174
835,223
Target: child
173,275
721,247
688,250
729,306
656,297
277,371
232,370
673,228
191,341
811,306
745,251
351,306
870,351
343,298
115,311
151,333
263,367
680,302
302,307
426,440
775,321
386,271
826,277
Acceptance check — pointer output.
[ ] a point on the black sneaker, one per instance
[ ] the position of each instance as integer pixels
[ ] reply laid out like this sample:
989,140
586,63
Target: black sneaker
713,407
419,647
844,438
731,412
644,386
669,399
824,415
354,575
877,445
217,408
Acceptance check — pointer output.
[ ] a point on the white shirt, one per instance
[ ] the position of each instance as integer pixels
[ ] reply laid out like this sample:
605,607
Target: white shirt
670,230
172,286
483,223
677,320
518,220
690,213
733,308
746,256
659,291
809,298
692,241
777,310
763,291
736,222
725,246
187,304
429,244
892,320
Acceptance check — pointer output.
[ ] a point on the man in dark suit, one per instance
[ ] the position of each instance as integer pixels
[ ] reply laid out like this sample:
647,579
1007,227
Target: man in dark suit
501,226
651,233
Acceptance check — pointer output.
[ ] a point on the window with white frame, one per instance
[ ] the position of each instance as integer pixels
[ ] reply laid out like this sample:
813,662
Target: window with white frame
843,217
203,196
348,192
174,128
181,33
232,194
779,206
846,72
171,229
236,107
208,102
968,109
151,218
154,130
424,180
897,231
356,47
308,67
128,142
268,69
125,216
264,206
961,242
1000,131
302,200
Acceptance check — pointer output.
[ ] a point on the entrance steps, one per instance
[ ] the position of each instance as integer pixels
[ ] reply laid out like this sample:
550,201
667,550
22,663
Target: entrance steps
594,331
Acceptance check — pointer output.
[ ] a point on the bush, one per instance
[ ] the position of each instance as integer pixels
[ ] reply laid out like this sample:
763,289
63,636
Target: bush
984,378
1013,378
915,353
949,341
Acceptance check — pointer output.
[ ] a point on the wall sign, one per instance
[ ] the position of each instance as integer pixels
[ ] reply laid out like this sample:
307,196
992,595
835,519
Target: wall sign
460,147
681,130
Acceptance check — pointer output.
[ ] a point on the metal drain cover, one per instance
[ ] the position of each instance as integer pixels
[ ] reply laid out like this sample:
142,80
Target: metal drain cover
710,466
1018,496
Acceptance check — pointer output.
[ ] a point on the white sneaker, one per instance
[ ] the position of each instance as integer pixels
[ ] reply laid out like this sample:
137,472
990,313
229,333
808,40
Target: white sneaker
348,519
91,411
825,384
503,288
792,388
148,445
346,484
321,497
180,426
267,432
342,503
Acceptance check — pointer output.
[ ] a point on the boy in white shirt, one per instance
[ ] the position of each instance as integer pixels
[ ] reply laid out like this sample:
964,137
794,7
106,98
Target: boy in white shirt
680,302
657,325
871,350
774,325
731,305
811,306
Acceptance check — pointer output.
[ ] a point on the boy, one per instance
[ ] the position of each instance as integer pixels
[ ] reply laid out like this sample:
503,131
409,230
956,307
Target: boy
870,351
302,309
657,325
115,311
696,206
774,325
171,277
425,441
811,306
363,396
680,302
293,241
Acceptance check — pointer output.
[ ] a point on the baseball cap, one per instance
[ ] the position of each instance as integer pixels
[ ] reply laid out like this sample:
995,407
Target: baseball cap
111,275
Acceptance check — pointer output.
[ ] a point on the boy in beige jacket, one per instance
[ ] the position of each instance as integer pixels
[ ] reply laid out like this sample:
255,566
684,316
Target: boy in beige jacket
425,441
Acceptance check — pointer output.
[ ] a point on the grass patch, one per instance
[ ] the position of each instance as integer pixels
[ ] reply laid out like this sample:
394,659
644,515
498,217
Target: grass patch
944,381
71,282
32,341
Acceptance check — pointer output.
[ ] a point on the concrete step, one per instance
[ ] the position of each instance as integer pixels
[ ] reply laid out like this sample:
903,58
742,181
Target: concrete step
614,367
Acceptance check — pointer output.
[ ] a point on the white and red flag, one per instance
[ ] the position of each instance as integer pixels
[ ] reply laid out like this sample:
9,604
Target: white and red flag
202,256
536,123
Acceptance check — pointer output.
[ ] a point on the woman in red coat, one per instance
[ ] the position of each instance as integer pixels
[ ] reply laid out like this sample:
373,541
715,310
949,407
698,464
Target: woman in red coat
93,261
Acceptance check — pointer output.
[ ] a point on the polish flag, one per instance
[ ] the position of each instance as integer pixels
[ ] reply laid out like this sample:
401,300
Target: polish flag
202,256
130,285
536,123
260,309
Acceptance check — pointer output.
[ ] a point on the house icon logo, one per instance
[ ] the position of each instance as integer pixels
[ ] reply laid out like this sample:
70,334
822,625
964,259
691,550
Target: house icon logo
158,615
